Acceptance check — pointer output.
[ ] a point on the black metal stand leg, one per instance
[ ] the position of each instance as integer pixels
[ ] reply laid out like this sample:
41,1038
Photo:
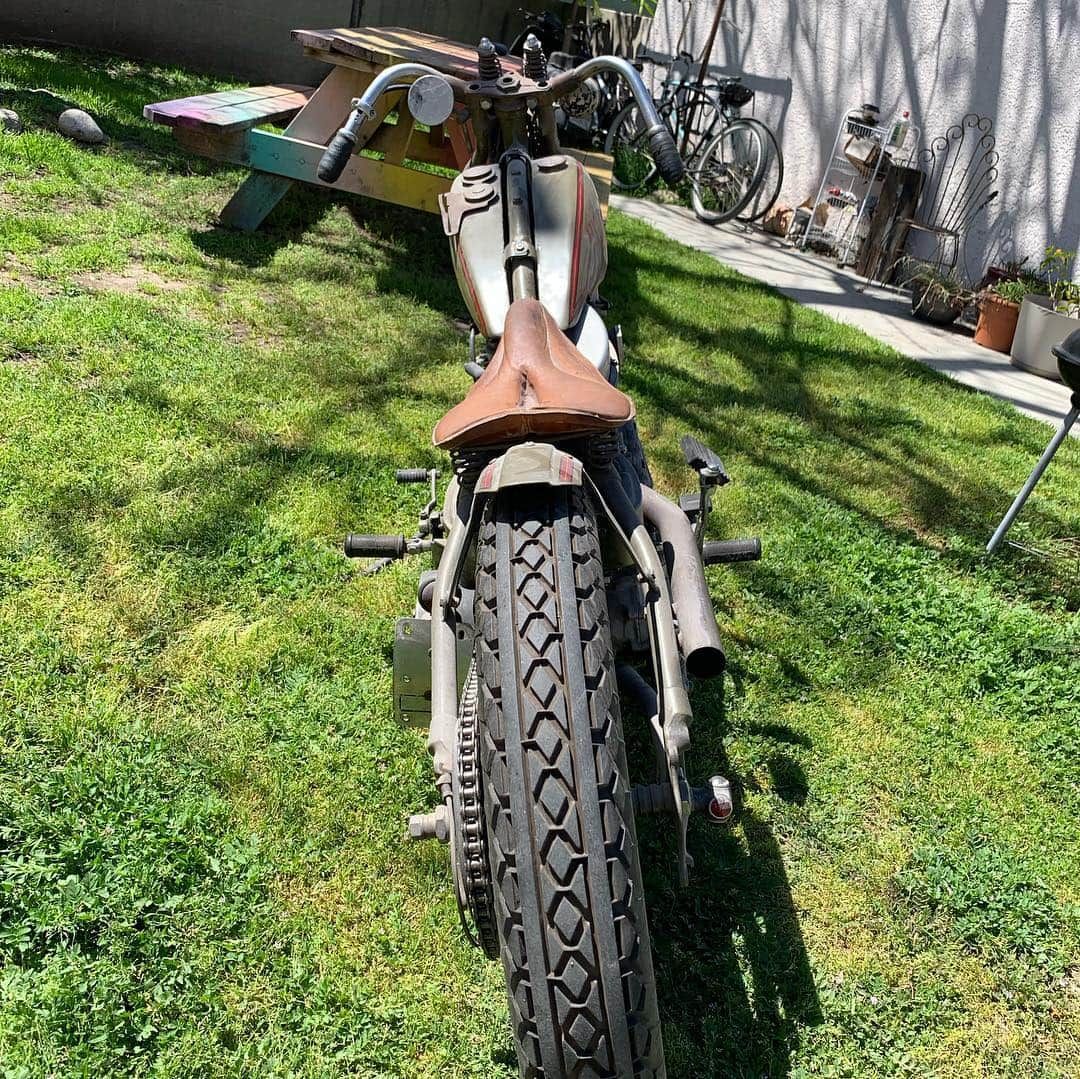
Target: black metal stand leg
1036,475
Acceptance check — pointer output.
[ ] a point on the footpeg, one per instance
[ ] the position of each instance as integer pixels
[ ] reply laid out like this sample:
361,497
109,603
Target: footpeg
704,461
361,545
386,549
413,475
711,473
722,552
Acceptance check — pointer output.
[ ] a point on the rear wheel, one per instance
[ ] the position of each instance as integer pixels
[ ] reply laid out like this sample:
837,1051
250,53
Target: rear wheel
724,178
768,191
569,902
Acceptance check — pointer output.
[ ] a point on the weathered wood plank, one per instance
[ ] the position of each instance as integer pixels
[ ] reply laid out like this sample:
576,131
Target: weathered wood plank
231,110
386,45
253,200
393,140
279,155
599,167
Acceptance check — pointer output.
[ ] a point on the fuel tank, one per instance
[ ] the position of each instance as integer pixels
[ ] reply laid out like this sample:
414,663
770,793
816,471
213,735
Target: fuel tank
568,237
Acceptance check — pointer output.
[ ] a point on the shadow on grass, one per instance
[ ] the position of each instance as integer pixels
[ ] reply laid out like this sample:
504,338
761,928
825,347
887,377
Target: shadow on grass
733,974
838,448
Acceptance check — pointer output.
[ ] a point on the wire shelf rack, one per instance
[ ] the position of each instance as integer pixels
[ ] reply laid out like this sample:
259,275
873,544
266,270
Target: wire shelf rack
850,185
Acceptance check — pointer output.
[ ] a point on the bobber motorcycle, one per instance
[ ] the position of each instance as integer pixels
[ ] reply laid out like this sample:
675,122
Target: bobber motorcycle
560,576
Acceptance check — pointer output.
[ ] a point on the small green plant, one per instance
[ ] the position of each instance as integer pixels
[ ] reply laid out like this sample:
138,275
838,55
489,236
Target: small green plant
936,285
1012,291
1064,293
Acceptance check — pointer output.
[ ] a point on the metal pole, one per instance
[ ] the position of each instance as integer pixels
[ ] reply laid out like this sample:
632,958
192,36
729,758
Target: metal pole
1036,475
707,52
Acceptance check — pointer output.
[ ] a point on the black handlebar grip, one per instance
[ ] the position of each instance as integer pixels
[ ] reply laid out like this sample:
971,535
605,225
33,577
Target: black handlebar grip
411,475
332,163
666,155
359,545
719,552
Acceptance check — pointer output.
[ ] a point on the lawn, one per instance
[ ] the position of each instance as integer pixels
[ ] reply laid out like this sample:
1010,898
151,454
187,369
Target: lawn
202,787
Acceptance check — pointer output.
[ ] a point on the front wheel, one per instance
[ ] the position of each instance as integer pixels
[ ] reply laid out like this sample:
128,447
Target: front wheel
627,141
562,849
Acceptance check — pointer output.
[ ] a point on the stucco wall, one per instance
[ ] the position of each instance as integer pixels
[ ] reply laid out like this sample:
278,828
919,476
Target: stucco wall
1016,61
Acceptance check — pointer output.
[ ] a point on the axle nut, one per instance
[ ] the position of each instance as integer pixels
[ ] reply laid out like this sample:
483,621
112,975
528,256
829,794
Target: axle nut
434,825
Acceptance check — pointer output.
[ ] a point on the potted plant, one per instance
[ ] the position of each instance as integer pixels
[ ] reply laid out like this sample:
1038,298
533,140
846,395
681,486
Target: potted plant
1011,270
1045,321
936,297
999,309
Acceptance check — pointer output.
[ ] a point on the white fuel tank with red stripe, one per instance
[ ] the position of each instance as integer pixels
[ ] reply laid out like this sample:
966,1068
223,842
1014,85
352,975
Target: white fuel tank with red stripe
568,238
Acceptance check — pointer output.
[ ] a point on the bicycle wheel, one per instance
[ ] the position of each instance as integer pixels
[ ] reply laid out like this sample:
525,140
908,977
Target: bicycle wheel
633,168
768,190
724,177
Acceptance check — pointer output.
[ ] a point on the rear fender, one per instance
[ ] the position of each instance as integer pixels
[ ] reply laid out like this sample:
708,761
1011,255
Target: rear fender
530,463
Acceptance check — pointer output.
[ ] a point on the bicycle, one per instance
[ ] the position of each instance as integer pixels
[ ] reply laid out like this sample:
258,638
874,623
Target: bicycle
735,163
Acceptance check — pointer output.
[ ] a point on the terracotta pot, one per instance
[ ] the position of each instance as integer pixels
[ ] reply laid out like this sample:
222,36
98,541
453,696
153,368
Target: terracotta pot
997,323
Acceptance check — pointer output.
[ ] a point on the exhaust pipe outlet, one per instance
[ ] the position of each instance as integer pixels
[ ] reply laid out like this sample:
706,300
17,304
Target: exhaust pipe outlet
699,635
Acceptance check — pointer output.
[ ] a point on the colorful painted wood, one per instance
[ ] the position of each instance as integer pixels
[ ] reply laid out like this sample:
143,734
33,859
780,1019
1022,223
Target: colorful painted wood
225,126
294,159
231,110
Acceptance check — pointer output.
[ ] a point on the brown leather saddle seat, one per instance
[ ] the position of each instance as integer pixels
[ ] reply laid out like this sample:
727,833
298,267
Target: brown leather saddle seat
537,383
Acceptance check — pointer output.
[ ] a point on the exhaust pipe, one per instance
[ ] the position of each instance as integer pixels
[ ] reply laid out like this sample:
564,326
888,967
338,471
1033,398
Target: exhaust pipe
699,635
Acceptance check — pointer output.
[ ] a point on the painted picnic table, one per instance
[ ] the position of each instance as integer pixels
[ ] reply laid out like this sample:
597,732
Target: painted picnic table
232,126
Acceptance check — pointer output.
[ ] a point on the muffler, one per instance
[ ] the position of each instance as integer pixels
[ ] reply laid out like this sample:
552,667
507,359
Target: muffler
699,635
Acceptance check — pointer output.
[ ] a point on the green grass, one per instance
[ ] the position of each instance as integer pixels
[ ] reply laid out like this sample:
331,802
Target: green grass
202,787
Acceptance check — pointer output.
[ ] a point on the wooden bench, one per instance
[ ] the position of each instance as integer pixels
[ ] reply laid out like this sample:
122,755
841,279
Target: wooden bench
231,110
229,126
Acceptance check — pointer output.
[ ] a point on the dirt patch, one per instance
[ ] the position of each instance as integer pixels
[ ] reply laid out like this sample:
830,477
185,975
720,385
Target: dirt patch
131,280
26,361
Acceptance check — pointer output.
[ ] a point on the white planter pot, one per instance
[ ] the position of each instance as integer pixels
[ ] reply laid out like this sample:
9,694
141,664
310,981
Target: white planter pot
1038,330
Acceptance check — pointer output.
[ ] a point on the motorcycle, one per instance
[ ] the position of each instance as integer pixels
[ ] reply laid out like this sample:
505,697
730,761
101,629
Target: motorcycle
559,575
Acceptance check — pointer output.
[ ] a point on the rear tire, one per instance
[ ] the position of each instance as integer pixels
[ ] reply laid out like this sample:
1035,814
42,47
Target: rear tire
768,191
569,901
725,177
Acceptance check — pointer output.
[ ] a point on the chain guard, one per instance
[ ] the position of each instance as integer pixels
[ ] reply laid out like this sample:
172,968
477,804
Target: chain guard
472,879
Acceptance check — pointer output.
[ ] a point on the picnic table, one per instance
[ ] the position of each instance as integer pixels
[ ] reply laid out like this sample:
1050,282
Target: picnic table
235,126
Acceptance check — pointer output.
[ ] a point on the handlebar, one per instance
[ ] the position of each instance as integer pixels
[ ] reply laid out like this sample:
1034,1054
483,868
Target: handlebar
661,144
333,161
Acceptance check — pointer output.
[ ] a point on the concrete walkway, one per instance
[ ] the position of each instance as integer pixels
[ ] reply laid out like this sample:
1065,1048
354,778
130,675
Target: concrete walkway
882,314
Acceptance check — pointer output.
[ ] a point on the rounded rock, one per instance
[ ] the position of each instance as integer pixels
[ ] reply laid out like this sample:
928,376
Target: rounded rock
10,122
80,126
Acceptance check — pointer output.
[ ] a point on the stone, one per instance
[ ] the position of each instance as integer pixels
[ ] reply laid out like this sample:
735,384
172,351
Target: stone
10,122
80,126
